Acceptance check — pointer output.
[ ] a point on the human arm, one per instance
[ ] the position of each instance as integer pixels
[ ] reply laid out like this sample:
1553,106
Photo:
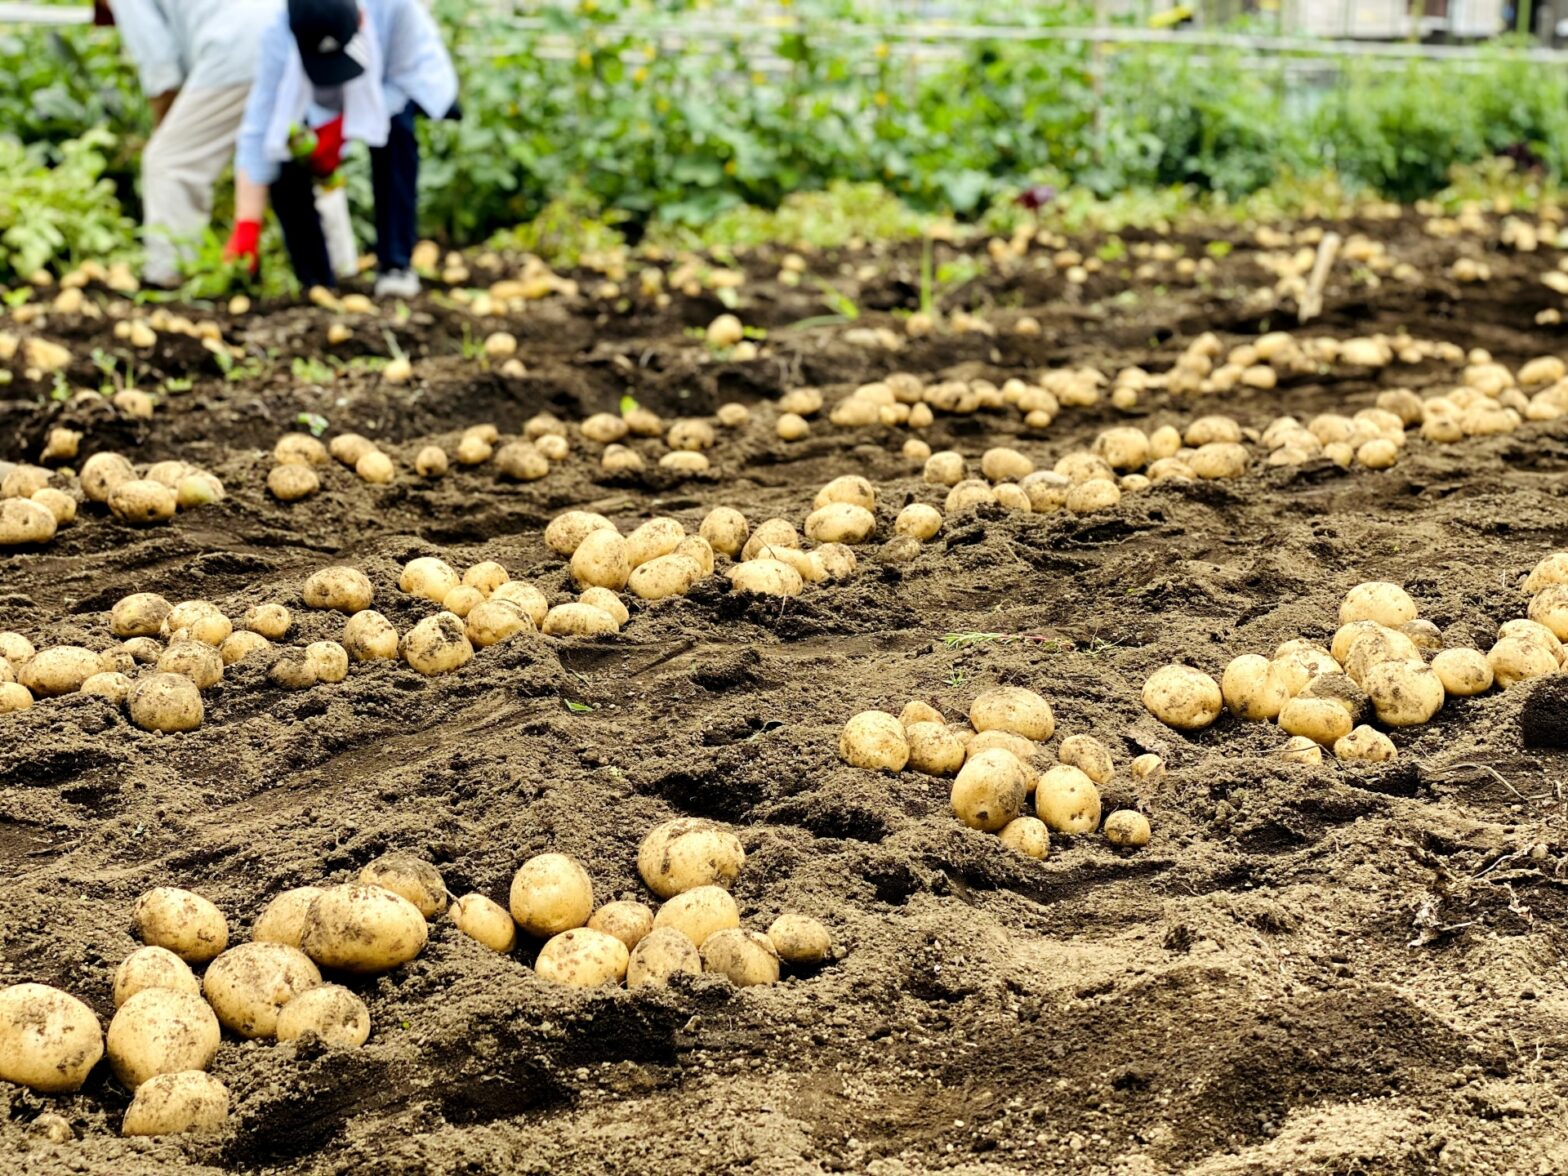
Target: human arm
251,162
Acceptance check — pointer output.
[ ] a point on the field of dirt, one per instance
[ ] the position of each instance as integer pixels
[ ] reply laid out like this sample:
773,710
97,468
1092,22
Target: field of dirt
1329,969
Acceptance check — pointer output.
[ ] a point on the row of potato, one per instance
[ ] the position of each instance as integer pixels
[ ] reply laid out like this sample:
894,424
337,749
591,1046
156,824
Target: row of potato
168,1023
33,505
993,764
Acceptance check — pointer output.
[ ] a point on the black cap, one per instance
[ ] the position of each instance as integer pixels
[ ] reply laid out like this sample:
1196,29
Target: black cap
323,30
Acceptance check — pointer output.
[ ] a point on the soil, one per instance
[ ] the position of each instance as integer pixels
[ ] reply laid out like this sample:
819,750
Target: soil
1331,969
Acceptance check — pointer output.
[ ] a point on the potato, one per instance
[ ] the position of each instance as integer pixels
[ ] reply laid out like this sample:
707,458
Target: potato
1425,635
113,686
102,473
1067,800
792,427
462,600
333,1014
185,923
1127,829
1404,693
627,921
919,712
290,483
583,958
664,576
686,853
161,1031
293,670
472,451
1014,709
725,529
528,598
578,620
143,651
1536,634
140,614
347,590
1463,672
661,954
918,521
602,560
699,913
1148,767
413,878
1005,465
437,645
59,670
652,539
1301,750
197,489
1553,569
1365,743
199,662
142,501
606,601
429,578
197,620
551,893
348,448
874,740
283,919
1024,749
933,749
1377,600
485,577
271,621
153,967
484,921
800,940
1029,836
494,621
248,984
971,492
1252,689
745,958
327,661
840,522
695,547
300,449
376,468
1088,755
15,649
369,636
990,790
1183,698
521,461
772,533
1322,720
604,427
166,703
362,929
49,1040
188,1102
807,565
1549,607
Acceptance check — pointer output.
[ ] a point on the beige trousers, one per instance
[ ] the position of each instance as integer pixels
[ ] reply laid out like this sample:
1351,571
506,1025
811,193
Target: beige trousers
180,167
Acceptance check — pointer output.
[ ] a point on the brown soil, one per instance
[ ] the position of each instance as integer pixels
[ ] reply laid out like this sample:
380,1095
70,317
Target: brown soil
1328,969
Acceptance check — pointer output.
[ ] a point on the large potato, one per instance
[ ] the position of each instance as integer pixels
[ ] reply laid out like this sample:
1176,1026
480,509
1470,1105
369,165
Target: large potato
567,531
330,1012
726,529
990,790
413,878
745,958
578,620
1321,720
1067,800
698,913
1377,600
189,1102
766,577
167,703
583,958
438,645
847,488
429,578
840,522
874,740
602,560
660,955
1088,755
1404,693
551,893
187,924
142,501
629,922
23,521
161,1031
140,614
933,749
484,921
60,669
1182,697
652,539
533,602
1014,709
686,853
103,472
362,929
197,660
800,940
1252,688
1376,646
1463,672
347,590
283,919
247,985
664,576
1549,607
369,636
49,1040
153,967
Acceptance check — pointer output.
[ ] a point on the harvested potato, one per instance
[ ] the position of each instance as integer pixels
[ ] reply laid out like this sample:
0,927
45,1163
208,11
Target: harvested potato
1014,709
725,529
800,940
58,503
792,427
1365,743
283,919
602,560
474,450
166,703
362,929
290,483
1424,634
248,984
578,620
1463,672
663,953
1148,767
606,601
348,448
919,712
1024,749
140,614
15,649
347,590
849,488
551,893
772,533
1535,634
376,468
369,636
933,749
153,967
1322,720
766,577
143,651
330,1012
102,473
874,740
583,958
840,522
1067,800
486,577
185,923
197,620
1128,829
698,913
188,1102
1380,601
198,661
115,687
197,489
292,671
60,669
493,621
528,598
1029,836
686,853
327,661
49,1040
412,877
300,449
1301,750
807,565
437,645
1549,607
918,521
271,621
142,501
1088,755
485,921
652,539
1252,688
1404,693
462,600
745,958
161,1031
627,921
664,576
1183,698
429,578
990,790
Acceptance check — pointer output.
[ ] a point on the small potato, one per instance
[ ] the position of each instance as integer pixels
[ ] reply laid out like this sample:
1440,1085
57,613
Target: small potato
1427,636
140,614
248,985
733,415
185,923
918,521
792,427
583,958
485,921
919,712
686,853
849,488
348,448
330,1012
327,661
725,529
166,703
1322,720
578,620
606,601
143,501
698,913
283,919
1404,693
660,955
971,492
945,468
745,958
198,489
800,941
1183,698
1029,836
874,740
933,749
114,686
528,598
1012,708
473,450
161,1031
198,661
291,483
412,877
1093,495
1365,744
1067,800
197,620
1148,767
629,922
551,893
840,522
486,577
1088,755
347,590
567,531
1379,601
664,576
990,790
602,428
369,636
271,621
1252,689
602,560
1005,465
300,449
23,522
49,1040
493,621
188,1102
1549,607
153,967
521,461
437,645
362,929
102,473
1463,672
652,539
144,651
429,578
60,669
1301,750
766,577
1127,829
772,533
376,468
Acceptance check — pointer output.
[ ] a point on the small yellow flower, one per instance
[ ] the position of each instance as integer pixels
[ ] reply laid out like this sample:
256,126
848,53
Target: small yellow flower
881,51
729,167
662,105
757,77
590,6
640,75
584,59
879,98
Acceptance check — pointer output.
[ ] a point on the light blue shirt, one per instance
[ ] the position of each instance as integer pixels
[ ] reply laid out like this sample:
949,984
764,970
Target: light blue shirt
415,67
193,44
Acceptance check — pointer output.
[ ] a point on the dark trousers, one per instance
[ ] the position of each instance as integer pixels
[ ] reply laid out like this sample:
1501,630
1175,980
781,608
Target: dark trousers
394,173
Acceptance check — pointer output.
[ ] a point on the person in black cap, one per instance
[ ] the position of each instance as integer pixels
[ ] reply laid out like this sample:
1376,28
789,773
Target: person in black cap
330,72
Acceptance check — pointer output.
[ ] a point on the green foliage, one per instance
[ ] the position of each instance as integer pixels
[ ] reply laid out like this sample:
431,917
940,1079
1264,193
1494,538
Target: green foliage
54,215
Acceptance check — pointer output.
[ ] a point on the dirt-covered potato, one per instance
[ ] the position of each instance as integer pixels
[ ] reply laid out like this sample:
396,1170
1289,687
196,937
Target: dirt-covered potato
1549,607
1012,708
1252,689
808,565
283,919
698,913
347,590
652,539
698,549
918,521
248,984
629,922
485,921
462,600
494,621
1029,836
486,576
686,853
369,636
292,670
606,601
1183,698
521,461
1536,634
551,893
60,669
1322,720
1088,755
58,503
771,533
990,790
15,649
291,483
190,1102
412,877
1148,768
1067,800
197,489
664,576
726,529
166,703
1299,749
533,602
330,1012
602,560
142,501
840,522
848,488
185,923
376,468
745,958
933,749
327,661
567,531
198,661
140,614
102,473
197,620
766,577
660,955
1025,749
153,967
583,958
1463,672
1380,601
161,1031
240,644
362,929
437,645
49,1040
800,940
1404,693
578,620
300,449
874,740
1365,743
428,578
1129,829
144,651
916,711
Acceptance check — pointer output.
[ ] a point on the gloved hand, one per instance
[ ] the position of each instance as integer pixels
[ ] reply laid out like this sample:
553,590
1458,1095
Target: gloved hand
245,244
328,155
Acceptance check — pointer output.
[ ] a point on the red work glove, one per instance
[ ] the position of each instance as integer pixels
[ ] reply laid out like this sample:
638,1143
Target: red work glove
328,155
245,244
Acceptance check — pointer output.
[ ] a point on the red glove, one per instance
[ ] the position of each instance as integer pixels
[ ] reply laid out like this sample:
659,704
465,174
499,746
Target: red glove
328,155
245,244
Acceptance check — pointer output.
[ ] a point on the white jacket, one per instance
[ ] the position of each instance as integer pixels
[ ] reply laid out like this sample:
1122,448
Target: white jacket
193,44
